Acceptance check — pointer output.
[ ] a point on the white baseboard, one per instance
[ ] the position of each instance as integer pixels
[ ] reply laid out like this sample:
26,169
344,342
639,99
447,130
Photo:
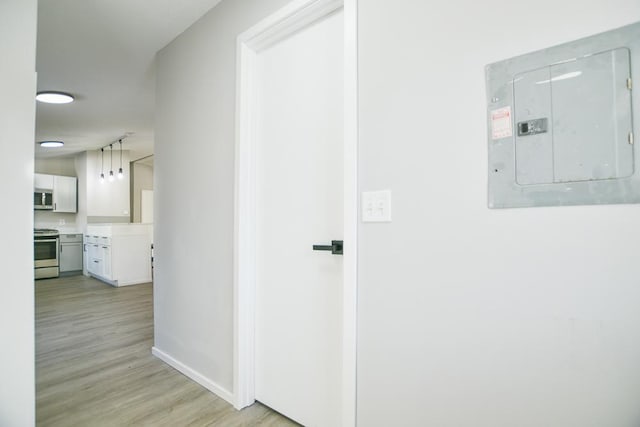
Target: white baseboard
221,392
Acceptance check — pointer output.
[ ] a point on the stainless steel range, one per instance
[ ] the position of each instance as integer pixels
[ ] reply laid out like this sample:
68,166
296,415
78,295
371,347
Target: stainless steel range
46,247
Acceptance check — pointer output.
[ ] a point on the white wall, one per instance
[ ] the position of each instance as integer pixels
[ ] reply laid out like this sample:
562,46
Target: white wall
17,121
81,171
107,201
467,316
141,179
97,202
194,175
64,166
470,316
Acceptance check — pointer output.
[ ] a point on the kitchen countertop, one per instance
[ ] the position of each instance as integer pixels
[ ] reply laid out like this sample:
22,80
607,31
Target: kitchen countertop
63,230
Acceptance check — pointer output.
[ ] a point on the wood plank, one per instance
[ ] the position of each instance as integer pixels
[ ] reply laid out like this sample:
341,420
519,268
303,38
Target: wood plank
94,365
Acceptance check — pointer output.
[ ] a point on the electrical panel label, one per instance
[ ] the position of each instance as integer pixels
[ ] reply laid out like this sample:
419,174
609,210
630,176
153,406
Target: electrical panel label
501,126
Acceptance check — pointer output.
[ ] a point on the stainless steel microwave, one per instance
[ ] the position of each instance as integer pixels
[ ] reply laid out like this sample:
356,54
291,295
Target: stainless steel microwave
43,199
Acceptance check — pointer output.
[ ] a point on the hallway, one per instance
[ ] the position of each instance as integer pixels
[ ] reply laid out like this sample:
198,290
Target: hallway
94,365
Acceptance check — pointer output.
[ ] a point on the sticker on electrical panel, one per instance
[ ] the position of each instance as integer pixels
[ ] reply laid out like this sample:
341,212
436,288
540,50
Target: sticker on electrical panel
501,126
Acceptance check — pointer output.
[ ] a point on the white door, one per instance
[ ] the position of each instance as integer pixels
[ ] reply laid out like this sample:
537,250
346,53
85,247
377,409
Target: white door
299,203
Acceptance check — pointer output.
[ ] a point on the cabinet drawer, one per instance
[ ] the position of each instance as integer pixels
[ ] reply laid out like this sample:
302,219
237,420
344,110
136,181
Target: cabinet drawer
99,240
71,238
95,266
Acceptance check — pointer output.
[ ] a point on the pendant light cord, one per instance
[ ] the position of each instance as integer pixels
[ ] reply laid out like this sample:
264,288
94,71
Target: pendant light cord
110,145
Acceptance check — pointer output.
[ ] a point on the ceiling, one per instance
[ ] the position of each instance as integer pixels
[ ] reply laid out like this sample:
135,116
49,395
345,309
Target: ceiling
102,52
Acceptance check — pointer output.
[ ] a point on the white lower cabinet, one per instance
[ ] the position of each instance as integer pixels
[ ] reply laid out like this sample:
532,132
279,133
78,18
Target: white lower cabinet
70,253
106,261
119,254
99,257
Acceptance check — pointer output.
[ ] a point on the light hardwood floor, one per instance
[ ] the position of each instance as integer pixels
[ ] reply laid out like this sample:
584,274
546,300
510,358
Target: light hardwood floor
94,365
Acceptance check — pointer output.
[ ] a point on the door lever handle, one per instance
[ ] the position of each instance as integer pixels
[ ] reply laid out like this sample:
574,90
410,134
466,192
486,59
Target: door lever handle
336,247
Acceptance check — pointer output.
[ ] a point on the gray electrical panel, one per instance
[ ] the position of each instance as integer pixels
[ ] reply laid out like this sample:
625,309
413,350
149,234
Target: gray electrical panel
560,124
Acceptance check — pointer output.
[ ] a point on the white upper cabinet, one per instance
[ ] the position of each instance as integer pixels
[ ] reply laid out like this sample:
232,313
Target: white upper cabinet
64,188
65,194
43,182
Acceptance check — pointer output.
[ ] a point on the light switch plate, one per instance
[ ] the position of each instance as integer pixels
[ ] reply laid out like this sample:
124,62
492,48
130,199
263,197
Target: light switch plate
376,206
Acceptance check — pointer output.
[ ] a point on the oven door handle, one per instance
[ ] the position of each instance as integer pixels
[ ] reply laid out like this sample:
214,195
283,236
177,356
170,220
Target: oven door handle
45,240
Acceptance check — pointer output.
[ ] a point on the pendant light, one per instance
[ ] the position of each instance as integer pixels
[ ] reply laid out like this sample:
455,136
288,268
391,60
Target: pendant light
102,168
120,173
111,177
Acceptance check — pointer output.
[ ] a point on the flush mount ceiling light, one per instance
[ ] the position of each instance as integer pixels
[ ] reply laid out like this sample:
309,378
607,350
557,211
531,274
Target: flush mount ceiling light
54,97
51,144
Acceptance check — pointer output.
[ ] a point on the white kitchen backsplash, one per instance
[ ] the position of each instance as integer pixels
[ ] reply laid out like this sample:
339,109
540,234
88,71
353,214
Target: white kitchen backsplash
58,221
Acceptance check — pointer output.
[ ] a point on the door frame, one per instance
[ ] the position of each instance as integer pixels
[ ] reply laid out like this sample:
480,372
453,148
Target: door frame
293,17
